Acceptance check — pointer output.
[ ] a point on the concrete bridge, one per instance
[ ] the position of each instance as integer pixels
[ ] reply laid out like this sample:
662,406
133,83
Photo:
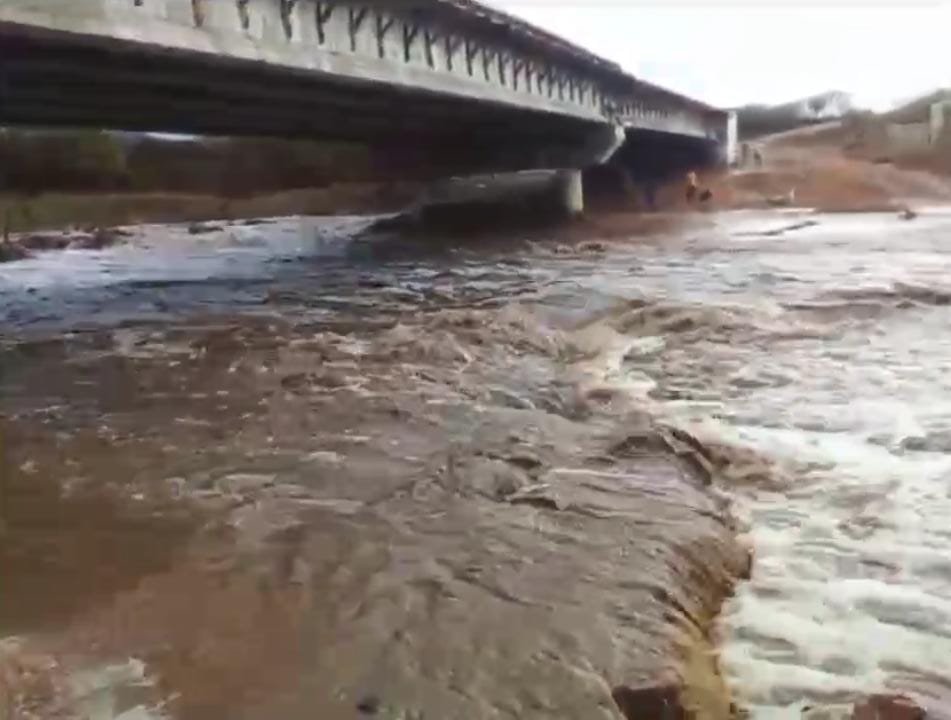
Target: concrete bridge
439,86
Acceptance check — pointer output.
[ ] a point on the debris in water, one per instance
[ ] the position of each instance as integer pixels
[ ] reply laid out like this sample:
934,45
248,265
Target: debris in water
369,705
660,702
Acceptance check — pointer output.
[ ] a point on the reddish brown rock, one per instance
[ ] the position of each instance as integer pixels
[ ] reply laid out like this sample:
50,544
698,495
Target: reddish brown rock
96,240
11,251
888,707
652,702
44,241
201,228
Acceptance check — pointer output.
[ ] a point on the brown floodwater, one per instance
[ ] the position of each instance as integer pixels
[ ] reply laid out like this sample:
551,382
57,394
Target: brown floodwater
291,470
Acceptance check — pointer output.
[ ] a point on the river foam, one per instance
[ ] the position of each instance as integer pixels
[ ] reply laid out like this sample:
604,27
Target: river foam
825,355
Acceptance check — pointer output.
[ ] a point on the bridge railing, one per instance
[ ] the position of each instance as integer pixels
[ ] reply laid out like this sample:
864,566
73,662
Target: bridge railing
392,42
645,115
436,49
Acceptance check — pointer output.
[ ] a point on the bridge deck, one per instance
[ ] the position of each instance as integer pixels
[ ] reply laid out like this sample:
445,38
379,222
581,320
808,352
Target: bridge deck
450,73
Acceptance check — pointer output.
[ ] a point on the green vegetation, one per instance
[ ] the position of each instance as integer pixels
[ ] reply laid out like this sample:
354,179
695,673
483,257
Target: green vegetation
241,167
94,161
89,177
58,210
33,162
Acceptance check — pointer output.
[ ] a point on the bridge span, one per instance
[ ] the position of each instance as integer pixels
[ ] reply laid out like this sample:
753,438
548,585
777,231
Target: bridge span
446,86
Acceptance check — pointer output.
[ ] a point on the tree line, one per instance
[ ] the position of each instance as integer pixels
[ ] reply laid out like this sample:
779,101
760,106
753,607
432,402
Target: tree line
37,161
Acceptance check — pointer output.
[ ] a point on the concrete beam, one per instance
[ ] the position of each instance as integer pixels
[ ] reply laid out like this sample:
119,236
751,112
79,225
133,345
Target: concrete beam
347,40
442,73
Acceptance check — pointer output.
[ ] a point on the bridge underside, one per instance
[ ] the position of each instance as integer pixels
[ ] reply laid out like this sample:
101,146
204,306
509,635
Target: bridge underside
650,155
61,80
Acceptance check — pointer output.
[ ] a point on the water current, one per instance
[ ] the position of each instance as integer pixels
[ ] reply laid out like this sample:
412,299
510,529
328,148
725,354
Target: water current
804,359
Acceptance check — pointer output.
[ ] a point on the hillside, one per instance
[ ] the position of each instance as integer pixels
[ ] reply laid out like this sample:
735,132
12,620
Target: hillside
839,166
759,120
917,110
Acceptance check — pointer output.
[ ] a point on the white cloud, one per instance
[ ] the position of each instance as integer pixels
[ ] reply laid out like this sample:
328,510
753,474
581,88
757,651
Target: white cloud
730,53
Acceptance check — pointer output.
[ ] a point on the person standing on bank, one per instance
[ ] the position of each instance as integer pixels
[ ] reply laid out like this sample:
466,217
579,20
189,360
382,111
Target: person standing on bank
691,186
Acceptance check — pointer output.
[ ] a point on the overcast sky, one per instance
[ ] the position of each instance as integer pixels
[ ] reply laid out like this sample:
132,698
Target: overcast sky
732,53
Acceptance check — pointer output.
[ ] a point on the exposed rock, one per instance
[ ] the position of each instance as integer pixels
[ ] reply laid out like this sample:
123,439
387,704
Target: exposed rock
652,702
524,459
908,214
499,396
198,228
493,479
435,526
603,394
639,442
12,251
888,707
116,231
87,239
541,496
45,241
96,240
827,712
295,381
369,705
592,246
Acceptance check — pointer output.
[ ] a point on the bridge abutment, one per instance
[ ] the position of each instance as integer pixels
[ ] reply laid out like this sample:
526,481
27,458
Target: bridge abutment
649,156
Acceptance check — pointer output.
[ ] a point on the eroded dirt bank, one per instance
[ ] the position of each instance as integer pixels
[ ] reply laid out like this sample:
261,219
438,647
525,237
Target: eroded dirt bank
818,166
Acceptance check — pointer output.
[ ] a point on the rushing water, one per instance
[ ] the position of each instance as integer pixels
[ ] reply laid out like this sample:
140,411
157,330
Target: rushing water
810,368
836,373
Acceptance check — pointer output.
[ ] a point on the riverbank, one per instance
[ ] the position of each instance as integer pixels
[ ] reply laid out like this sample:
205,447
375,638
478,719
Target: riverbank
808,169
819,167
805,169
54,211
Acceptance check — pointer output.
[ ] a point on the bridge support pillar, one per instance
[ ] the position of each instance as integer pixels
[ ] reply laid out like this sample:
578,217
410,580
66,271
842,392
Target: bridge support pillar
569,192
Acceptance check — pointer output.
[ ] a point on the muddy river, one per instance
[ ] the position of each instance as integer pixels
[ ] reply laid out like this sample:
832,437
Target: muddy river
286,469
